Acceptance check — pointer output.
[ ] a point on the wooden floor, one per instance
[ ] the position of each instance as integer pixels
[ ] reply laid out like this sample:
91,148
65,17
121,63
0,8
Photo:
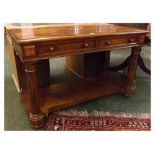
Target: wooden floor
60,95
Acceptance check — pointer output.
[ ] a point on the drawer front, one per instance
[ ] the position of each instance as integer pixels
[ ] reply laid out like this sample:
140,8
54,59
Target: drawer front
65,47
117,42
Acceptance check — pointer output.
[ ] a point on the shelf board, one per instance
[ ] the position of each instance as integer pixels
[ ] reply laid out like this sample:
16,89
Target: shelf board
61,95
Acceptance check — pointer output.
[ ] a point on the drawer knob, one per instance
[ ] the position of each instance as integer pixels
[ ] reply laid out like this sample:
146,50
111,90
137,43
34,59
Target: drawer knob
51,48
131,40
85,45
108,42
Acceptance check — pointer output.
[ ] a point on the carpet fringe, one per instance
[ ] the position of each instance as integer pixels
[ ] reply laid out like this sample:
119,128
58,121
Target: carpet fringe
103,114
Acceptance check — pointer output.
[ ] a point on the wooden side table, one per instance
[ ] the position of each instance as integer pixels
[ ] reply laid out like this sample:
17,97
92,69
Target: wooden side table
34,46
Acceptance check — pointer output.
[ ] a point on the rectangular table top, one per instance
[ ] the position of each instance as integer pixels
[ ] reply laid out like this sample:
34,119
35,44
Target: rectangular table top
46,32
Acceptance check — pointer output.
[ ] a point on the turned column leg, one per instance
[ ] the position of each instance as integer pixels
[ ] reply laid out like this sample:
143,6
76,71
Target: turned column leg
130,79
36,117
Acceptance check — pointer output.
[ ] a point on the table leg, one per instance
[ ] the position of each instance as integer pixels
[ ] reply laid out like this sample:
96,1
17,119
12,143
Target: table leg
130,79
126,64
142,65
36,117
121,66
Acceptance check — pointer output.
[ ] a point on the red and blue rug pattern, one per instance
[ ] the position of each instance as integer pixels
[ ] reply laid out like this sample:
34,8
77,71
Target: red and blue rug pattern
62,122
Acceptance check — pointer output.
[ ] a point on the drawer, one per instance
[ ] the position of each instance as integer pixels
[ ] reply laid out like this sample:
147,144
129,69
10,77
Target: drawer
67,47
117,42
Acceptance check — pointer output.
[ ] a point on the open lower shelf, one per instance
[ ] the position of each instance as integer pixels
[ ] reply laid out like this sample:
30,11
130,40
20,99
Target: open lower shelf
57,96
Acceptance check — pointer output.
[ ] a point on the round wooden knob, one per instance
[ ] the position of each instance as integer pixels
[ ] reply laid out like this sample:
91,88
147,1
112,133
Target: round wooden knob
51,48
108,42
131,40
86,45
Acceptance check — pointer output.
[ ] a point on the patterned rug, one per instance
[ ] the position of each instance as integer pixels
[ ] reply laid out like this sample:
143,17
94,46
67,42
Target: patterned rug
97,121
